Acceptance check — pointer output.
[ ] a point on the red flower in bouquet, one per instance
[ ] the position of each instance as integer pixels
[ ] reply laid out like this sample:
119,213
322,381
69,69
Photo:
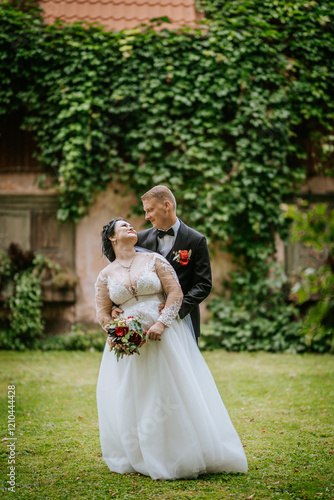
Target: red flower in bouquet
121,330
136,338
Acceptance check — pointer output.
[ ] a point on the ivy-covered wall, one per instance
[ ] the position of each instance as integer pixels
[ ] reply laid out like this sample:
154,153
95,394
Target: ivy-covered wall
221,113
232,115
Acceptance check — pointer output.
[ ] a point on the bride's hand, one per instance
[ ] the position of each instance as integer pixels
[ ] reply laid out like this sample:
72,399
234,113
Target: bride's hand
117,311
156,330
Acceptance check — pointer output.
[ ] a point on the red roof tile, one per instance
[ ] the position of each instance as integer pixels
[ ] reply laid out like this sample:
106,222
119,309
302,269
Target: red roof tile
120,14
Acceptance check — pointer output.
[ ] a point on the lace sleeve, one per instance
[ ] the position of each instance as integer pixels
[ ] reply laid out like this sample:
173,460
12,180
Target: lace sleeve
102,301
172,289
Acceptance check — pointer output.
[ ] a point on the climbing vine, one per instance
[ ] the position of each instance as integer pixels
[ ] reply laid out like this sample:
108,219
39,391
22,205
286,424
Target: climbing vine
232,114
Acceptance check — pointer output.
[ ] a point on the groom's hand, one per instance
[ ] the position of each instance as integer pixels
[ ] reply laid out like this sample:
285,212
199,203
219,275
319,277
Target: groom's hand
116,312
156,330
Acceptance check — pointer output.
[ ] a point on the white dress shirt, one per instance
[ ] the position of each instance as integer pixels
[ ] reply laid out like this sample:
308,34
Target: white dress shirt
166,243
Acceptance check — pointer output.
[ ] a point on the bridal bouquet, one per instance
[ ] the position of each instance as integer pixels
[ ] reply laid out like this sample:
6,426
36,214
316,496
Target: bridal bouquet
125,336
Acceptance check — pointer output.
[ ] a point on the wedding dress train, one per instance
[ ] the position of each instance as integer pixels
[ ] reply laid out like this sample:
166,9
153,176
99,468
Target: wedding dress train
160,413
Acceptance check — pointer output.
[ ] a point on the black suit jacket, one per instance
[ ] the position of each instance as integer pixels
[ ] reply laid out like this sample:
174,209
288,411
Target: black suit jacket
195,278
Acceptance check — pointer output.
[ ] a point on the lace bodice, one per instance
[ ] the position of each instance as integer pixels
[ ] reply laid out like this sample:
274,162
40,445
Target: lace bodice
139,292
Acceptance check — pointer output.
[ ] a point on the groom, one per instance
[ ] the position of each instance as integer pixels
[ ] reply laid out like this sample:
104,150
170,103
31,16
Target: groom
183,247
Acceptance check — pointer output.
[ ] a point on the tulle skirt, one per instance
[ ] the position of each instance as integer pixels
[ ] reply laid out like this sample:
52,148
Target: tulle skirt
160,412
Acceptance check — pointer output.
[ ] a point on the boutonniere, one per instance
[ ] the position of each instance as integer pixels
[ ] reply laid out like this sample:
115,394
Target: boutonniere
182,256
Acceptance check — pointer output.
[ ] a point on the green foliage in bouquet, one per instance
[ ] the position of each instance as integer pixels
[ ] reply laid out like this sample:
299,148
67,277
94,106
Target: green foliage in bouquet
125,336
314,285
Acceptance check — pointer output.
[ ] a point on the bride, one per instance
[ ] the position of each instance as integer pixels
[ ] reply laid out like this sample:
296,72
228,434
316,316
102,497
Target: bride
160,413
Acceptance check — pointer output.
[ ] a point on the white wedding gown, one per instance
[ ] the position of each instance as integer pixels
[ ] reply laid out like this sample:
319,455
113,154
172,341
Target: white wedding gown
160,413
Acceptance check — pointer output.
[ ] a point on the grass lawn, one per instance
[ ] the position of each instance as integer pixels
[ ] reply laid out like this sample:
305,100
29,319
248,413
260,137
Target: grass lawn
280,404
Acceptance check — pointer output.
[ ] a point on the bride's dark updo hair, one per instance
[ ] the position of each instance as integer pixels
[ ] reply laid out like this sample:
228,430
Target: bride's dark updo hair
107,231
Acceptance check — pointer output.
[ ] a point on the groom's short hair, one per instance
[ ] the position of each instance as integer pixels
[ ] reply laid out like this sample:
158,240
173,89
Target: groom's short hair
161,194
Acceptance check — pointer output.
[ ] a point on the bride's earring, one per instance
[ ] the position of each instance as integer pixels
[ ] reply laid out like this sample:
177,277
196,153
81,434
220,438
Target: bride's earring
114,242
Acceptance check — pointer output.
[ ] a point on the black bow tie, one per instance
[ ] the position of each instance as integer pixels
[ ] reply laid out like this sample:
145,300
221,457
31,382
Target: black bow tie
162,233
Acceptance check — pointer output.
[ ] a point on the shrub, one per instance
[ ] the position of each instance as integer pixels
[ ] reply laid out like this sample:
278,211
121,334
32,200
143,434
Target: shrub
26,309
24,272
81,338
255,317
313,227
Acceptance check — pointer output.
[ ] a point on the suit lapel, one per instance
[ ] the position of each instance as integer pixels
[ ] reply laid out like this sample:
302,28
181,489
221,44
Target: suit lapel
180,243
152,240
